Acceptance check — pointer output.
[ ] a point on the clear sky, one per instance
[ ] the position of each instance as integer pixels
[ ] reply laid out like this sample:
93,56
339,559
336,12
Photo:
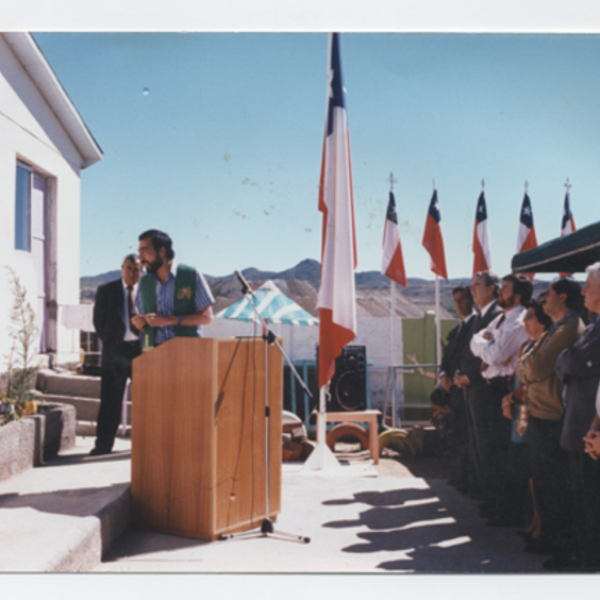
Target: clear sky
216,138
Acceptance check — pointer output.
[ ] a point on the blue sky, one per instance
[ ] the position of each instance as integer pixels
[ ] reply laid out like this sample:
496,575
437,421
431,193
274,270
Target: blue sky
223,151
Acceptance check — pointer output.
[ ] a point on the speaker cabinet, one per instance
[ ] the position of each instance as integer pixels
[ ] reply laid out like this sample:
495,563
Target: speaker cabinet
349,383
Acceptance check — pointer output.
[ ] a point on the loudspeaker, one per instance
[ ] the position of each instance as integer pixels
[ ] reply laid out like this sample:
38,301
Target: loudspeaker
349,383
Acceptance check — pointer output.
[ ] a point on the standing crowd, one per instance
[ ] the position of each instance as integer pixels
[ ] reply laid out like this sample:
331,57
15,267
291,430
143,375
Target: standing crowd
519,383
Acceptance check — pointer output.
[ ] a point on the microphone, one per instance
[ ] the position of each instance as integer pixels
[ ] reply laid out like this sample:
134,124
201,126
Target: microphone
245,285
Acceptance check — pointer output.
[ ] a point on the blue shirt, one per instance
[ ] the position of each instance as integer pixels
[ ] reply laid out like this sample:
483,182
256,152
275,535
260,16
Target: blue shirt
165,303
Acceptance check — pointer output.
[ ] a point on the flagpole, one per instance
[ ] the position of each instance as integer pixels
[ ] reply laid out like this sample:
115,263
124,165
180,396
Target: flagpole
438,336
393,352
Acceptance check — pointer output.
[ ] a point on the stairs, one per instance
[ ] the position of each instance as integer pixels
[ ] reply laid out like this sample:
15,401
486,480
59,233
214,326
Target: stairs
80,391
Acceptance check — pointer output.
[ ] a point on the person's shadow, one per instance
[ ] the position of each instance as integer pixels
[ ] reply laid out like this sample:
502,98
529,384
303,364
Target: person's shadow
433,530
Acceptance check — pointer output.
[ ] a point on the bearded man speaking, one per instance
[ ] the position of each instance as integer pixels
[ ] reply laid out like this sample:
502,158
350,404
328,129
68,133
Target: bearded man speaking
169,304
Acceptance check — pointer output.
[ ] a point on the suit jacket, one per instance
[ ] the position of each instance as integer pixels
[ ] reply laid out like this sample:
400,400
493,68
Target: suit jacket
470,365
109,318
458,340
579,368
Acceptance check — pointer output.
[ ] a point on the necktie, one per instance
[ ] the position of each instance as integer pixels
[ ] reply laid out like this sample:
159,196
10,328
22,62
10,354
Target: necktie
500,320
130,306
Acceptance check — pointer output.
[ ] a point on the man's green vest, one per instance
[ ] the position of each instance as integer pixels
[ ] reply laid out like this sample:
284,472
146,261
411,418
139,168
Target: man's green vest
185,293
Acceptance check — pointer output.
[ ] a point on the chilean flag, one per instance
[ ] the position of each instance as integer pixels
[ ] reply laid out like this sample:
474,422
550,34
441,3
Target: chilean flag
337,297
432,238
567,224
392,264
526,239
481,241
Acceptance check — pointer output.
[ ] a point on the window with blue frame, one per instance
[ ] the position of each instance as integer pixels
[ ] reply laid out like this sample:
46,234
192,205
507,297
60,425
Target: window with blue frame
23,209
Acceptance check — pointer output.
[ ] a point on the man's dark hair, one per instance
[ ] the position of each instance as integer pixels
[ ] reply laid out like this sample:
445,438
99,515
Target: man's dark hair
462,289
490,278
538,311
159,240
130,258
521,286
570,287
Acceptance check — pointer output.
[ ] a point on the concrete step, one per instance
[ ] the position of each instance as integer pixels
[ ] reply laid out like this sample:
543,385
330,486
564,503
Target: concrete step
68,384
88,429
87,408
64,516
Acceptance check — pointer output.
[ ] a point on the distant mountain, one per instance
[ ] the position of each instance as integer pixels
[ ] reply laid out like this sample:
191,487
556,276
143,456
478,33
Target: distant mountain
301,284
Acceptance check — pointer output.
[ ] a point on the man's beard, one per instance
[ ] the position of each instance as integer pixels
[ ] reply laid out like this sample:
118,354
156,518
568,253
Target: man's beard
154,266
506,302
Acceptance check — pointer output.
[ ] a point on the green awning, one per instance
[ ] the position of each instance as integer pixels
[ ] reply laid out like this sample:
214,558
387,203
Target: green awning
571,253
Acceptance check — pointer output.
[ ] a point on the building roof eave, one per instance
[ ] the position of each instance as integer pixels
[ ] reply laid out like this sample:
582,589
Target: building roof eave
38,68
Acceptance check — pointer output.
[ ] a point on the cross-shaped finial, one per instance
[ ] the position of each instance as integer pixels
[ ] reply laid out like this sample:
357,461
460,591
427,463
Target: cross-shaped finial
392,181
567,185
526,186
483,184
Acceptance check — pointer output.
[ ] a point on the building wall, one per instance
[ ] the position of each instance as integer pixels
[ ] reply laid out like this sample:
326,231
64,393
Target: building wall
30,132
411,335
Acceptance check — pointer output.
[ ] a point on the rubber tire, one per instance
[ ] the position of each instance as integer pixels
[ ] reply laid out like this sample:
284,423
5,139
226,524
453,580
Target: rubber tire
343,429
395,437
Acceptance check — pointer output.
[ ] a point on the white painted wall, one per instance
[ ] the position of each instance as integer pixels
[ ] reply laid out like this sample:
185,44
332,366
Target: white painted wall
30,132
300,344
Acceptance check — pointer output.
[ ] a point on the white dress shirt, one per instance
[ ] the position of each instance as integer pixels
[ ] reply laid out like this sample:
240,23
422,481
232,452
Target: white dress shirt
501,351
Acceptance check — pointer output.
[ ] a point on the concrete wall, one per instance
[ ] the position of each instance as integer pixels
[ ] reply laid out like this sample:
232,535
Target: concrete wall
31,133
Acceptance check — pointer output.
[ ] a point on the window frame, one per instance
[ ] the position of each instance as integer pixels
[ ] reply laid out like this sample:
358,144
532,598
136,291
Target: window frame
25,167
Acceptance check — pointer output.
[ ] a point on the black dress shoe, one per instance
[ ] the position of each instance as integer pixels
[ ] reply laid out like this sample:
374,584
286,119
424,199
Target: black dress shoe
526,536
456,482
99,451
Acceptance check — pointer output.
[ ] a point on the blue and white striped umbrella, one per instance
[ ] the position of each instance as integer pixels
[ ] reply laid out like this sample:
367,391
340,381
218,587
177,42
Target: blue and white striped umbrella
272,304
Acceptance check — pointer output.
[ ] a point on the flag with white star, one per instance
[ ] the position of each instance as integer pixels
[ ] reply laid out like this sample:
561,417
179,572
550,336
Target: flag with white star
392,264
482,257
433,241
337,295
526,239
567,224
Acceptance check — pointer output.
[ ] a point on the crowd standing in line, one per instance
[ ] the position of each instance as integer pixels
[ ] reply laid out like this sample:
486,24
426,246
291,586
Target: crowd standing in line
520,380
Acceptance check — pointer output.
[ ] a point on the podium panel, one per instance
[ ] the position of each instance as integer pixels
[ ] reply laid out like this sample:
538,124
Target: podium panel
199,439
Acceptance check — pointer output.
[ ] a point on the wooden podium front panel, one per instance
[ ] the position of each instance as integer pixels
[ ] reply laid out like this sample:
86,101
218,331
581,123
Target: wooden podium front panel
241,434
198,436
173,438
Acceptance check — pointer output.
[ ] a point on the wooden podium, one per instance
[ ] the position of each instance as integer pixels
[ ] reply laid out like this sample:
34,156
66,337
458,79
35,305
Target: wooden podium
198,451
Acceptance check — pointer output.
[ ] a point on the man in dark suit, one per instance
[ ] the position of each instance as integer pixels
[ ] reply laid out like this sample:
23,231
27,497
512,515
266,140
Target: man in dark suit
120,345
458,341
484,288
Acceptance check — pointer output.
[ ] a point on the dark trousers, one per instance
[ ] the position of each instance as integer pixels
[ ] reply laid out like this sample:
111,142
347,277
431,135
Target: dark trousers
584,473
548,463
459,438
114,373
498,442
489,436
477,433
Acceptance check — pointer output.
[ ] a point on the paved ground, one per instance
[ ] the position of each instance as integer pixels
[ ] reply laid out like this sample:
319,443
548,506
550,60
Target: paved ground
386,519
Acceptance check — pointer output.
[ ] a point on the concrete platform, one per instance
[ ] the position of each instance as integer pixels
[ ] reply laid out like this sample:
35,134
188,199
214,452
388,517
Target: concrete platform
61,517
391,518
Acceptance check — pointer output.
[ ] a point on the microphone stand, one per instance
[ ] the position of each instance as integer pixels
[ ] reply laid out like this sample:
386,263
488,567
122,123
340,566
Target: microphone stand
267,527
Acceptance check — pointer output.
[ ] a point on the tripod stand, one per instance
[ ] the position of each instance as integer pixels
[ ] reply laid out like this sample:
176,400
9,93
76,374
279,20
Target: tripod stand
267,527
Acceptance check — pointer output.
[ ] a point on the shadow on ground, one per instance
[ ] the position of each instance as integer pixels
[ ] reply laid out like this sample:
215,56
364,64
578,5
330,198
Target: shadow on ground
432,530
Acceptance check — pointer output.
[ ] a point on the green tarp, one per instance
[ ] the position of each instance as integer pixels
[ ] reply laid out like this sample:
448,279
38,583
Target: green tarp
568,254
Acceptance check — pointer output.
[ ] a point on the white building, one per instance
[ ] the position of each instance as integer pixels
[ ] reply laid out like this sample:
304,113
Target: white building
44,145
